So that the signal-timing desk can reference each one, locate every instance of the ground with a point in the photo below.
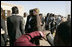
(44, 42)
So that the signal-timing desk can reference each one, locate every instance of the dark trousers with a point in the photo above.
(46, 27)
(4, 36)
(52, 28)
(52, 31)
(12, 40)
(2, 41)
(37, 42)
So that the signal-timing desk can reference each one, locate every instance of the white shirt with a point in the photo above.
(24, 21)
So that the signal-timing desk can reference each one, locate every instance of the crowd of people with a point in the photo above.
(29, 29)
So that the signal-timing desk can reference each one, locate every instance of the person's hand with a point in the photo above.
(41, 23)
(44, 33)
(41, 33)
(2, 31)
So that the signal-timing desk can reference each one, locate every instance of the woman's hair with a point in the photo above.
(36, 10)
(15, 10)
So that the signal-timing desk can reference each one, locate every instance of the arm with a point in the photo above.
(3, 24)
(43, 21)
(21, 26)
(38, 23)
(26, 26)
(33, 34)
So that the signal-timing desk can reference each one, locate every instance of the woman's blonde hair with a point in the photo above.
(36, 10)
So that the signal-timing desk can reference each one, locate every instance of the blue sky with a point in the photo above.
(57, 7)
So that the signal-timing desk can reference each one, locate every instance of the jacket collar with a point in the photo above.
(15, 14)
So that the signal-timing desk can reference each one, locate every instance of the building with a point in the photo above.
(7, 9)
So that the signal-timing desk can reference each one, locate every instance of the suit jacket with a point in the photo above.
(31, 24)
(47, 20)
(14, 24)
(42, 20)
(34, 23)
(27, 29)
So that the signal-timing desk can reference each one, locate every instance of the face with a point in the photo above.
(40, 16)
(31, 12)
(25, 14)
(35, 13)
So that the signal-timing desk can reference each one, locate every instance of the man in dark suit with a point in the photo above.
(47, 21)
(14, 24)
(28, 26)
(32, 23)
(52, 23)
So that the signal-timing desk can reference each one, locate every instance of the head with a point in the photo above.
(31, 12)
(25, 14)
(47, 14)
(53, 15)
(59, 15)
(40, 15)
(36, 11)
(63, 34)
(69, 16)
(15, 10)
